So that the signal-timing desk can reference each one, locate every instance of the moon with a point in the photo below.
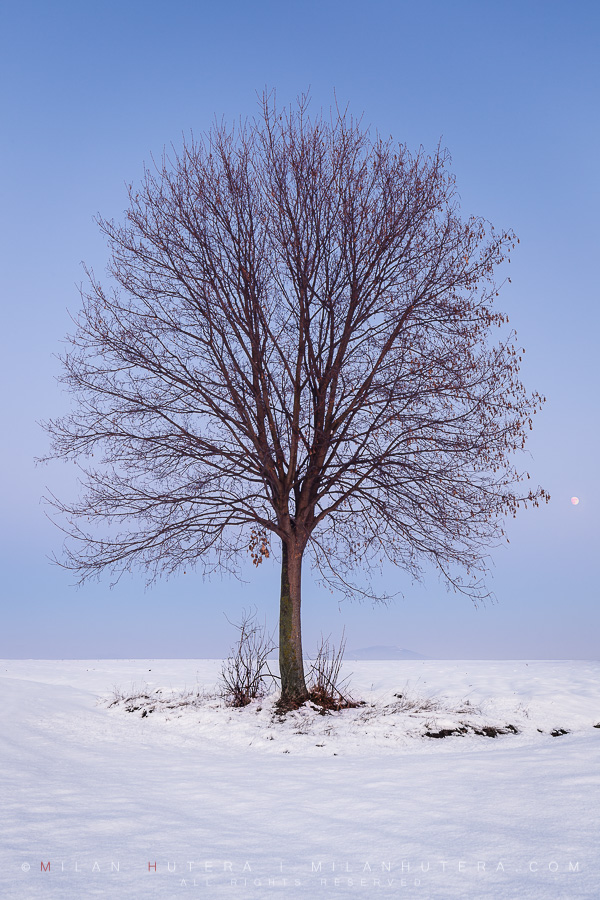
(574, 500)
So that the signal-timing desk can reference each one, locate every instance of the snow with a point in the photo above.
(383, 652)
(356, 804)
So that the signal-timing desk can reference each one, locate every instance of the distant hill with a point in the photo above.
(382, 653)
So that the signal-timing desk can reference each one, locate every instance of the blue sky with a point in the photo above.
(91, 91)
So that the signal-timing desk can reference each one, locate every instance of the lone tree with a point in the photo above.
(295, 347)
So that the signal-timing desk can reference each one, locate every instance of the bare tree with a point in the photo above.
(295, 347)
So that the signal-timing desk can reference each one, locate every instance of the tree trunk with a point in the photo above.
(291, 667)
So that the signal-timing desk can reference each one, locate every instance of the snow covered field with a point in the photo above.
(213, 802)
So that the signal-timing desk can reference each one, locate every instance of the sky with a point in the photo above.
(90, 92)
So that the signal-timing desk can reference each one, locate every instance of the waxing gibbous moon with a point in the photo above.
(574, 500)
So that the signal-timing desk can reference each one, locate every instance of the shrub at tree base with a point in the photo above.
(245, 673)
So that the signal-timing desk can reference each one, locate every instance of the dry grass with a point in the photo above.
(416, 705)
(146, 701)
